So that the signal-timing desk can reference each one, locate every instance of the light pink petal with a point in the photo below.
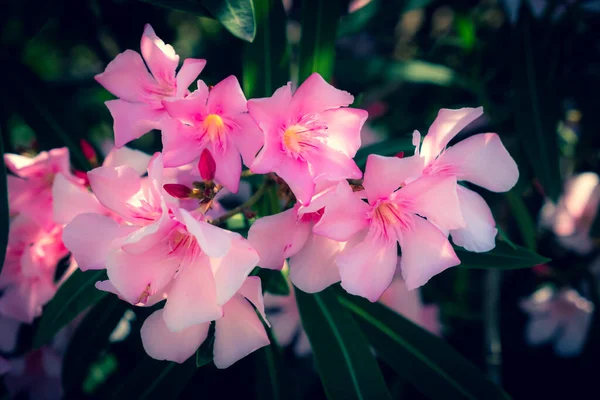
(325, 192)
(332, 165)
(434, 198)
(126, 77)
(383, 175)
(302, 347)
(190, 108)
(24, 302)
(90, 237)
(238, 333)
(480, 233)
(574, 334)
(180, 143)
(162, 344)
(297, 175)
(193, 297)
(135, 159)
(188, 72)
(229, 167)
(70, 199)
(403, 301)
(367, 267)
(541, 329)
(447, 125)
(139, 276)
(313, 268)
(344, 127)
(213, 241)
(284, 324)
(16, 163)
(277, 237)
(113, 187)
(426, 252)
(248, 138)
(483, 160)
(270, 112)
(270, 157)
(345, 215)
(231, 271)
(132, 120)
(160, 57)
(106, 286)
(316, 95)
(148, 237)
(252, 290)
(227, 98)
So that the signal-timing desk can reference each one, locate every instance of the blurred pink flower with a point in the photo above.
(480, 159)
(139, 108)
(308, 135)
(216, 120)
(238, 332)
(393, 214)
(561, 317)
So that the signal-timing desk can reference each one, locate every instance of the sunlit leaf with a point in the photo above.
(237, 16)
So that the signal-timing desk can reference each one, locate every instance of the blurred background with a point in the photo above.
(533, 65)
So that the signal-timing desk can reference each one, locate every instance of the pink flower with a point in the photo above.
(289, 235)
(309, 135)
(480, 159)
(561, 317)
(159, 250)
(238, 332)
(139, 108)
(390, 215)
(218, 121)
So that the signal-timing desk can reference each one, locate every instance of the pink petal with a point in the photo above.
(434, 198)
(541, 329)
(367, 266)
(333, 165)
(344, 127)
(313, 268)
(277, 237)
(480, 233)
(248, 138)
(227, 98)
(24, 301)
(426, 252)
(213, 241)
(316, 95)
(114, 187)
(447, 125)
(162, 344)
(90, 237)
(270, 157)
(284, 325)
(70, 199)
(148, 237)
(193, 297)
(126, 77)
(160, 57)
(345, 215)
(189, 108)
(132, 120)
(271, 112)
(125, 156)
(383, 175)
(297, 175)
(238, 333)
(180, 143)
(231, 271)
(403, 301)
(252, 291)
(229, 167)
(483, 160)
(188, 72)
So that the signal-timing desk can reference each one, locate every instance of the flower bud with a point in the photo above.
(178, 190)
(207, 165)
(400, 154)
(88, 152)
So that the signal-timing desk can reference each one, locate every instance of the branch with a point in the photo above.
(249, 203)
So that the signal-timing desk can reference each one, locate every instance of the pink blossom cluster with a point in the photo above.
(154, 223)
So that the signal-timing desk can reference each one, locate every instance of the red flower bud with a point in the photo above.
(207, 165)
(400, 155)
(178, 190)
(82, 175)
(88, 152)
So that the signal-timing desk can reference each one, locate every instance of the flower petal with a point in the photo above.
(187, 74)
(213, 241)
(180, 143)
(479, 235)
(248, 138)
(70, 200)
(113, 187)
(135, 159)
(160, 57)
(313, 268)
(238, 333)
(344, 127)
(383, 175)
(316, 95)
(252, 291)
(162, 344)
(227, 98)
(297, 175)
(126, 77)
(270, 112)
(229, 167)
(132, 120)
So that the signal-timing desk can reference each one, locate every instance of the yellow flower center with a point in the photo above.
(292, 138)
(389, 213)
(214, 125)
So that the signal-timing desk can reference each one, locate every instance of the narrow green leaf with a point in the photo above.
(317, 45)
(346, 366)
(266, 64)
(503, 256)
(204, 354)
(89, 341)
(386, 148)
(523, 218)
(237, 16)
(431, 365)
(3, 208)
(73, 297)
(270, 368)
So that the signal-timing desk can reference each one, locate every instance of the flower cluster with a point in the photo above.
(155, 224)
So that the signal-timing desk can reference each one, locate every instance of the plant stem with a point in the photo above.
(249, 203)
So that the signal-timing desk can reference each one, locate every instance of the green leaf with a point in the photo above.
(270, 367)
(237, 16)
(90, 340)
(431, 365)
(386, 148)
(347, 368)
(266, 64)
(317, 44)
(503, 256)
(537, 109)
(204, 354)
(3, 208)
(74, 296)
(272, 281)
(524, 221)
